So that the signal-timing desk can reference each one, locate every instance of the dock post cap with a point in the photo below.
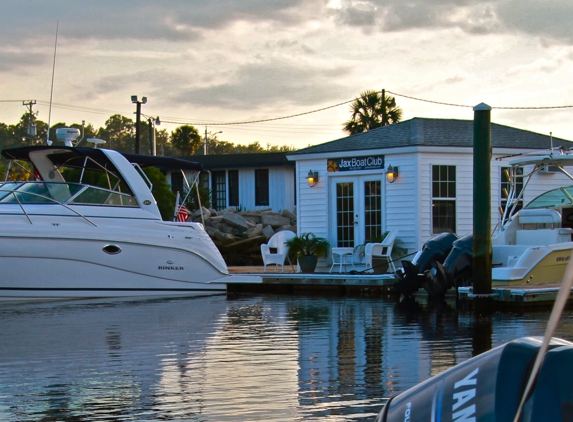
(482, 107)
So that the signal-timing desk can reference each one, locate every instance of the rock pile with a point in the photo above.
(239, 234)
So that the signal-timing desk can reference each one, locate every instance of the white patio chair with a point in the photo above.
(381, 250)
(280, 252)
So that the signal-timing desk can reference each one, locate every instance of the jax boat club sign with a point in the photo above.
(372, 162)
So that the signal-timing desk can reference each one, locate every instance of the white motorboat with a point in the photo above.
(89, 226)
(532, 245)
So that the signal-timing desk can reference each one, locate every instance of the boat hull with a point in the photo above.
(132, 259)
(537, 265)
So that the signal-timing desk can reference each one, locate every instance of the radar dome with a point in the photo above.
(68, 135)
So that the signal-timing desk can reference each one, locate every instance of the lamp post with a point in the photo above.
(207, 138)
(138, 103)
(152, 123)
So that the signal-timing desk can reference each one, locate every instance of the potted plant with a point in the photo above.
(308, 248)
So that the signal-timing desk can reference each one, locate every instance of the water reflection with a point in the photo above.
(213, 359)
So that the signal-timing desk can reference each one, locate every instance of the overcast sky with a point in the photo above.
(220, 61)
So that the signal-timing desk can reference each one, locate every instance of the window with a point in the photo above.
(177, 182)
(505, 177)
(443, 199)
(261, 187)
(219, 190)
(373, 209)
(233, 177)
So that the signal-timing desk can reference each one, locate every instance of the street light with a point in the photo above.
(207, 138)
(138, 103)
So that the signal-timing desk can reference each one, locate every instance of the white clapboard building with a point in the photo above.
(349, 199)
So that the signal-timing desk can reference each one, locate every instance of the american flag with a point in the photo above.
(182, 213)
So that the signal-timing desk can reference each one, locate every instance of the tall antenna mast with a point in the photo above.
(52, 88)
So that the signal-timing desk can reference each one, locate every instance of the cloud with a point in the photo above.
(174, 20)
(549, 18)
(275, 81)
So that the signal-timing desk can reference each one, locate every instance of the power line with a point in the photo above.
(245, 122)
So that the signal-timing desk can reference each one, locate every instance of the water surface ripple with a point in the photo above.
(263, 358)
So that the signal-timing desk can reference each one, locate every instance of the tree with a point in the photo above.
(371, 110)
(161, 192)
(119, 133)
(186, 139)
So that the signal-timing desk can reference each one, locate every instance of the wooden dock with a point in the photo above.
(289, 282)
(542, 294)
(365, 284)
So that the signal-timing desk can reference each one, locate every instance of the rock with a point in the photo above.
(287, 214)
(235, 220)
(274, 220)
(210, 230)
(224, 238)
(268, 232)
(254, 231)
(196, 215)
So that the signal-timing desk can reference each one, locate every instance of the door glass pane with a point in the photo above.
(220, 190)
(345, 214)
(372, 210)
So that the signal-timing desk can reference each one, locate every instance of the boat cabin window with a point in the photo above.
(555, 198)
(62, 193)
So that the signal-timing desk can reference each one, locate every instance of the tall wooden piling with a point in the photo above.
(482, 254)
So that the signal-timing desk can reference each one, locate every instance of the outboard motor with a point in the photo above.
(411, 276)
(455, 271)
(489, 387)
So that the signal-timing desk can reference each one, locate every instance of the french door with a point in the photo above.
(357, 209)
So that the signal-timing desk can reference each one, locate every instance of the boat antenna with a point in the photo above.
(52, 88)
(551, 141)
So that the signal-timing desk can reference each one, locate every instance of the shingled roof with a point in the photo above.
(434, 132)
(231, 161)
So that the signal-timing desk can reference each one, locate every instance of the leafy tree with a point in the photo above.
(218, 147)
(186, 139)
(371, 110)
(119, 133)
(162, 192)
(205, 195)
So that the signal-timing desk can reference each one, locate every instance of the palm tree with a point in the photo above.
(186, 139)
(371, 110)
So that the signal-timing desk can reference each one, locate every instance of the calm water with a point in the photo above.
(261, 358)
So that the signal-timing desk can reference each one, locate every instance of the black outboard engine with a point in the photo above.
(489, 387)
(456, 269)
(411, 276)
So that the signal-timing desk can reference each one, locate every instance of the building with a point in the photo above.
(349, 199)
(246, 181)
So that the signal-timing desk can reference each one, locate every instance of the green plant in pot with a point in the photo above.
(308, 248)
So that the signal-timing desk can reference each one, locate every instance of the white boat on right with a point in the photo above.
(530, 246)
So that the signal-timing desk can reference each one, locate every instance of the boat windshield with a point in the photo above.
(553, 198)
(62, 193)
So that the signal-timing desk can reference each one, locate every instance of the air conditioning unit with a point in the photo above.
(550, 170)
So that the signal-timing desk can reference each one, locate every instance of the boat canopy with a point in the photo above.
(75, 157)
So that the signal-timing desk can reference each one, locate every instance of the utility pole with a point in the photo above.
(205, 143)
(152, 140)
(207, 138)
(31, 130)
(383, 107)
(138, 103)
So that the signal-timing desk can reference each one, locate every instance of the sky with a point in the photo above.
(211, 63)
